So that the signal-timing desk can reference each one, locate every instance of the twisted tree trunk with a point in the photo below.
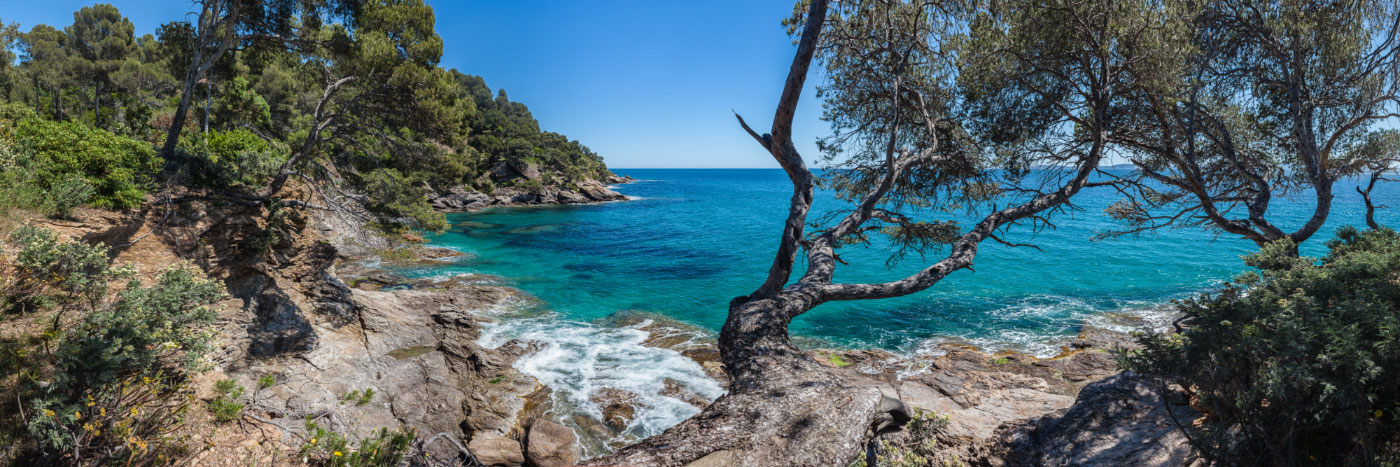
(783, 407)
(211, 18)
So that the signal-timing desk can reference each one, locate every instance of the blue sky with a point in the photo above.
(644, 83)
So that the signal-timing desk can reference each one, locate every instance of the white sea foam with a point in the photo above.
(577, 359)
(1129, 316)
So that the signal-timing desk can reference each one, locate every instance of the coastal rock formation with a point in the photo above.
(462, 198)
(493, 450)
(550, 444)
(1121, 420)
(1012, 409)
(618, 406)
(292, 316)
(1003, 409)
(351, 360)
(416, 350)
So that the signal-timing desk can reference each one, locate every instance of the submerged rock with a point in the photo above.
(619, 406)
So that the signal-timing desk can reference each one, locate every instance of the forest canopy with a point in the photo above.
(343, 94)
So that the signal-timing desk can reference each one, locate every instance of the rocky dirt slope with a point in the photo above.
(291, 317)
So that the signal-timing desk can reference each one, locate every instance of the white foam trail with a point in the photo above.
(1130, 315)
(579, 359)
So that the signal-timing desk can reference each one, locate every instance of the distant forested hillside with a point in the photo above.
(244, 95)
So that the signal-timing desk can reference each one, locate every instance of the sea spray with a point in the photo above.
(577, 361)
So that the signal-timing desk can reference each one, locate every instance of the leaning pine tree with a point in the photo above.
(938, 109)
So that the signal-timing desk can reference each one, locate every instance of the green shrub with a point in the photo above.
(12, 112)
(142, 330)
(272, 233)
(399, 202)
(110, 381)
(237, 157)
(384, 447)
(68, 193)
(1296, 362)
(119, 169)
(225, 406)
(267, 381)
(916, 446)
(533, 187)
(47, 273)
(18, 190)
(358, 397)
(132, 422)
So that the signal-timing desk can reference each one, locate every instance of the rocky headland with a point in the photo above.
(525, 184)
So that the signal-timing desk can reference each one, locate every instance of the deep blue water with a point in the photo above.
(694, 239)
(697, 238)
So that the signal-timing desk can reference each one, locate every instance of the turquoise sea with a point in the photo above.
(691, 240)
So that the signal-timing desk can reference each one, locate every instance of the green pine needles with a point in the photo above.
(1298, 360)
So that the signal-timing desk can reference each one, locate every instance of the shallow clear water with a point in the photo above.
(694, 239)
(697, 238)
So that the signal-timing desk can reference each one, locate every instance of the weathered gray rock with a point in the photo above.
(508, 195)
(570, 197)
(614, 179)
(1121, 420)
(1100, 338)
(619, 407)
(492, 450)
(460, 199)
(550, 444)
(527, 170)
(596, 191)
(416, 349)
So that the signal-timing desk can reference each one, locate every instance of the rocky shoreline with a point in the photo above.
(1008, 408)
(324, 326)
(462, 198)
(1004, 408)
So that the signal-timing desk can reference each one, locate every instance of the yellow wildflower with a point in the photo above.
(91, 403)
(135, 412)
(313, 441)
(1379, 413)
(48, 413)
(77, 415)
(102, 411)
(337, 454)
